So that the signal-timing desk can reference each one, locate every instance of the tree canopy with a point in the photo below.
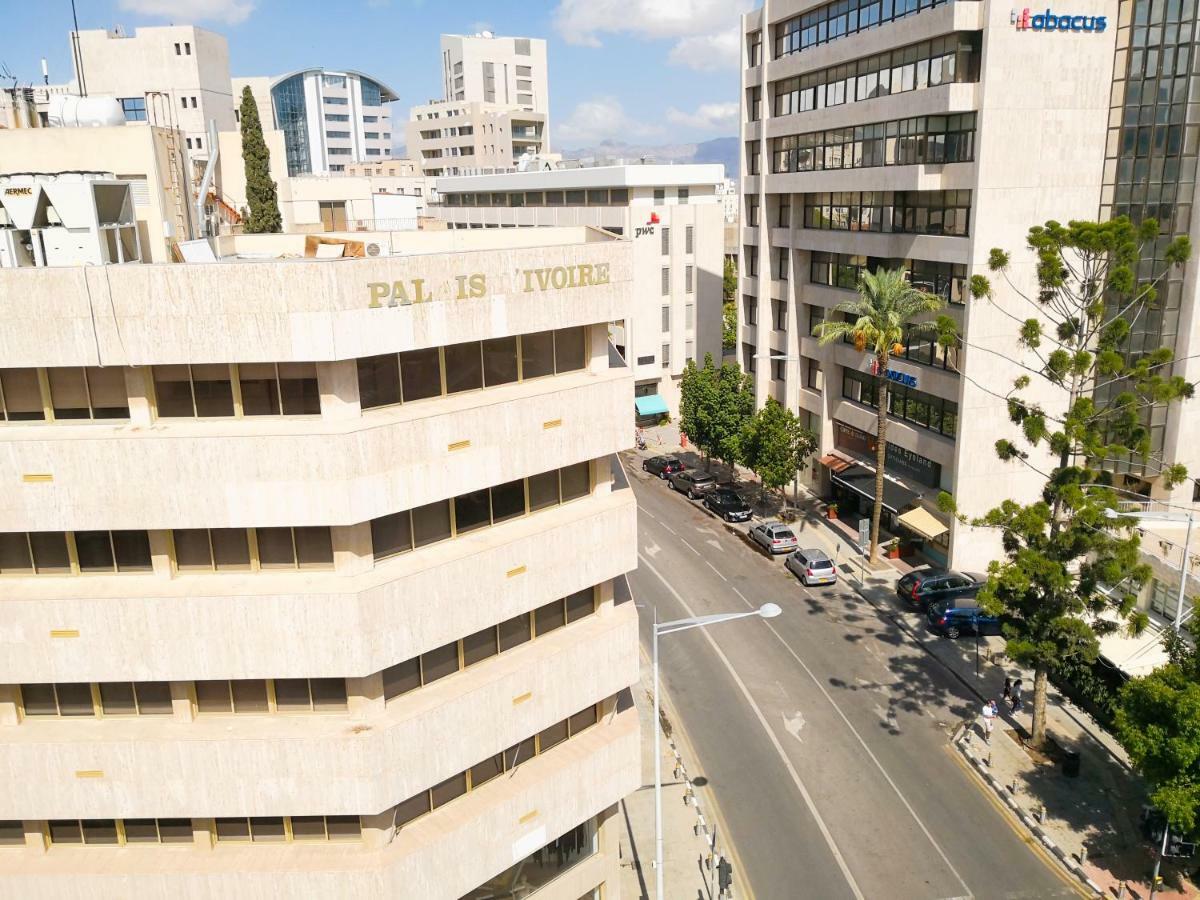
(260, 189)
(775, 446)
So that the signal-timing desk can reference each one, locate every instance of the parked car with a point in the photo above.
(694, 484)
(955, 617)
(663, 466)
(926, 587)
(775, 537)
(812, 567)
(728, 505)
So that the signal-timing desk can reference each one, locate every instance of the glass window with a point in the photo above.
(464, 367)
(15, 556)
(543, 490)
(267, 829)
(499, 361)
(275, 548)
(314, 547)
(308, 828)
(230, 549)
(116, 698)
(401, 678)
(94, 551)
(585, 718)
(514, 632)
(479, 646)
(132, 549)
(431, 523)
(537, 354)
(576, 481)
(68, 393)
(249, 695)
(555, 734)
(213, 390)
(391, 535)
(569, 351)
(412, 808)
(50, 555)
(485, 771)
(437, 664)
(175, 831)
(449, 789)
(343, 828)
(379, 380)
(153, 698)
(508, 501)
(141, 831)
(472, 511)
(192, 549)
(65, 831)
(420, 374)
(39, 700)
(172, 392)
(75, 699)
(549, 617)
(581, 604)
(233, 829)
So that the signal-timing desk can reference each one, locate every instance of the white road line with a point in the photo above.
(882, 771)
(690, 547)
(720, 574)
(808, 801)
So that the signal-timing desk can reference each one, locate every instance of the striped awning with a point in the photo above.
(835, 464)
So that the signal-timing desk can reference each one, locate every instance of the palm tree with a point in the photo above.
(878, 322)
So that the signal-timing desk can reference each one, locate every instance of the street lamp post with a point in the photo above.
(766, 611)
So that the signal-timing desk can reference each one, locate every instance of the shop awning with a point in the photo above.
(861, 480)
(835, 464)
(923, 522)
(650, 405)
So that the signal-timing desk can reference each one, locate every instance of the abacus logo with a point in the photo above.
(1048, 21)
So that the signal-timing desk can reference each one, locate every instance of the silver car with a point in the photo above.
(774, 537)
(812, 567)
(694, 484)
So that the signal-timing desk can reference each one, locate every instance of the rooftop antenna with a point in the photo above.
(77, 50)
(45, 72)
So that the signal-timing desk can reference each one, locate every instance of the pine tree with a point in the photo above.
(260, 189)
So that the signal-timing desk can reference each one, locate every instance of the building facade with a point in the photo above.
(329, 118)
(484, 68)
(311, 571)
(673, 217)
(459, 137)
(922, 135)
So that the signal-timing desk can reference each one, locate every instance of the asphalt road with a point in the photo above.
(823, 732)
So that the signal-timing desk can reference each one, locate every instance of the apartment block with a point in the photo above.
(922, 134)
(672, 216)
(456, 137)
(314, 566)
(489, 69)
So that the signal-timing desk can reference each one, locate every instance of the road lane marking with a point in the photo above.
(720, 574)
(690, 547)
(715, 544)
(762, 719)
(882, 771)
(793, 725)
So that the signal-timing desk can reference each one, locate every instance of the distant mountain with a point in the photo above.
(722, 150)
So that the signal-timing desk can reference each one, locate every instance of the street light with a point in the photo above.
(766, 611)
(1148, 515)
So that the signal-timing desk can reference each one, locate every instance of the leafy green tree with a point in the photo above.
(729, 325)
(697, 393)
(775, 446)
(878, 322)
(729, 283)
(264, 215)
(1158, 723)
(715, 403)
(1071, 556)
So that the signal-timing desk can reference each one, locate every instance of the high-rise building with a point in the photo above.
(674, 218)
(922, 135)
(328, 118)
(313, 566)
(507, 70)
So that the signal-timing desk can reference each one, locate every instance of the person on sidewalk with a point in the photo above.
(989, 720)
(1007, 695)
(1016, 697)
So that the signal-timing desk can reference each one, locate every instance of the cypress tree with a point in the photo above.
(264, 215)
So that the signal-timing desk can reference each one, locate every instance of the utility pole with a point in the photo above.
(1162, 851)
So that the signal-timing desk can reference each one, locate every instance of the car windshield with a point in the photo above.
(728, 496)
(784, 534)
(703, 479)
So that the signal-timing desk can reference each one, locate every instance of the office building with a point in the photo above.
(329, 118)
(672, 215)
(313, 565)
(922, 135)
(484, 68)
(458, 137)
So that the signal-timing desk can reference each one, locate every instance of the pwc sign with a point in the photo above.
(1048, 21)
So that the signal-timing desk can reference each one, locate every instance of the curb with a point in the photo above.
(1065, 859)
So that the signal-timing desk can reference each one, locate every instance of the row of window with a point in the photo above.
(902, 142)
(401, 532)
(689, 234)
(842, 270)
(935, 413)
(222, 390)
(259, 696)
(590, 197)
(945, 60)
(436, 664)
(494, 766)
(924, 349)
(437, 371)
(120, 832)
(689, 280)
(65, 392)
(898, 212)
(843, 17)
(286, 548)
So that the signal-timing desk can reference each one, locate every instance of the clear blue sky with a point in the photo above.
(638, 71)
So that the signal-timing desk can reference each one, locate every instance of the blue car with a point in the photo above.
(956, 618)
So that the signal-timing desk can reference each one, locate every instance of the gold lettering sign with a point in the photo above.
(18, 192)
(474, 285)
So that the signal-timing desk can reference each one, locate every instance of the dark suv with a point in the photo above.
(728, 505)
(955, 617)
(926, 587)
(694, 484)
(663, 466)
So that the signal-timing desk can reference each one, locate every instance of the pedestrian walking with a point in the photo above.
(1016, 696)
(989, 720)
(1008, 689)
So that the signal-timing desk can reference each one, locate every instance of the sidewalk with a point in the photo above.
(685, 853)
(1094, 817)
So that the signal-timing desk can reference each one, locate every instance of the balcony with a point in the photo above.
(503, 821)
(264, 471)
(335, 764)
(265, 625)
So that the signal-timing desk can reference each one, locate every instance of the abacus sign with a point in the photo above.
(1049, 21)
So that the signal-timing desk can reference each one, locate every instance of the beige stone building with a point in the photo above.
(923, 135)
(490, 69)
(309, 570)
(674, 218)
(461, 137)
